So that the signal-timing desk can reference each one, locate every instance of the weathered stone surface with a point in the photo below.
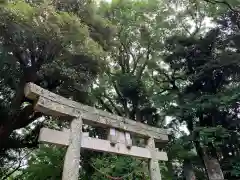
(122, 129)
(54, 104)
(213, 167)
(72, 157)
(153, 163)
(128, 139)
(62, 138)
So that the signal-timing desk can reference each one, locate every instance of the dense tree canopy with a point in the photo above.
(168, 64)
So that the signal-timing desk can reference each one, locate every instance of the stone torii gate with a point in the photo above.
(119, 136)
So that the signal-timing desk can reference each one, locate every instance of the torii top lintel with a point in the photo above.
(56, 105)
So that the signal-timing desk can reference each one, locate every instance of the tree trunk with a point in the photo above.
(188, 170)
(7, 128)
(211, 164)
(16, 114)
(213, 168)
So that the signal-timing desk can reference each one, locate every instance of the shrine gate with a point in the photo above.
(119, 141)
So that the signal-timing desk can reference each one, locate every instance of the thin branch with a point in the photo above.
(160, 81)
(113, 105)
(121, 51)
(224, 2)
(165, 74)
(10, 173)
(221, 2)
(117, 90)
(115, 178)
(164, 90)
(133, 56)
(171, 79)
(122, 99)
(18, 167)
(136, 63)
(120, 60)
(126, 59)
(185, 28)
(105, 106)
(146, 61)
(197, 27)
(197, 18)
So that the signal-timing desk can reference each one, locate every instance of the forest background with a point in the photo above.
(171, 64)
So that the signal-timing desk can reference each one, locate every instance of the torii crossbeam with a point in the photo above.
(119, 139)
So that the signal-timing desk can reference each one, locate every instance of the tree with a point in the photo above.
(46, 159)
(161, 59)
(128, 83)
(209, 71)
(47, 46)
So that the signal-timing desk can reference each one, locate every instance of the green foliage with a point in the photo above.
(235, 168)
(51, 47)
(182, 149)
(119, 166)
(214, 135)
(58, 33)
(45, 163)
(146, 60)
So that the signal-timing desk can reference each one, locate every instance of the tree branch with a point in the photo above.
(24, 121)
(126, 59)
(197, 18)
(163, 89)
(122, 99)
(146, 61)
(11, 172)
(185, 28)
(113, 105)
(171, 79)
(18, 167)
(221, 2)
(120, 62)
(105, 106)
(224, 2)
(136, 63)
